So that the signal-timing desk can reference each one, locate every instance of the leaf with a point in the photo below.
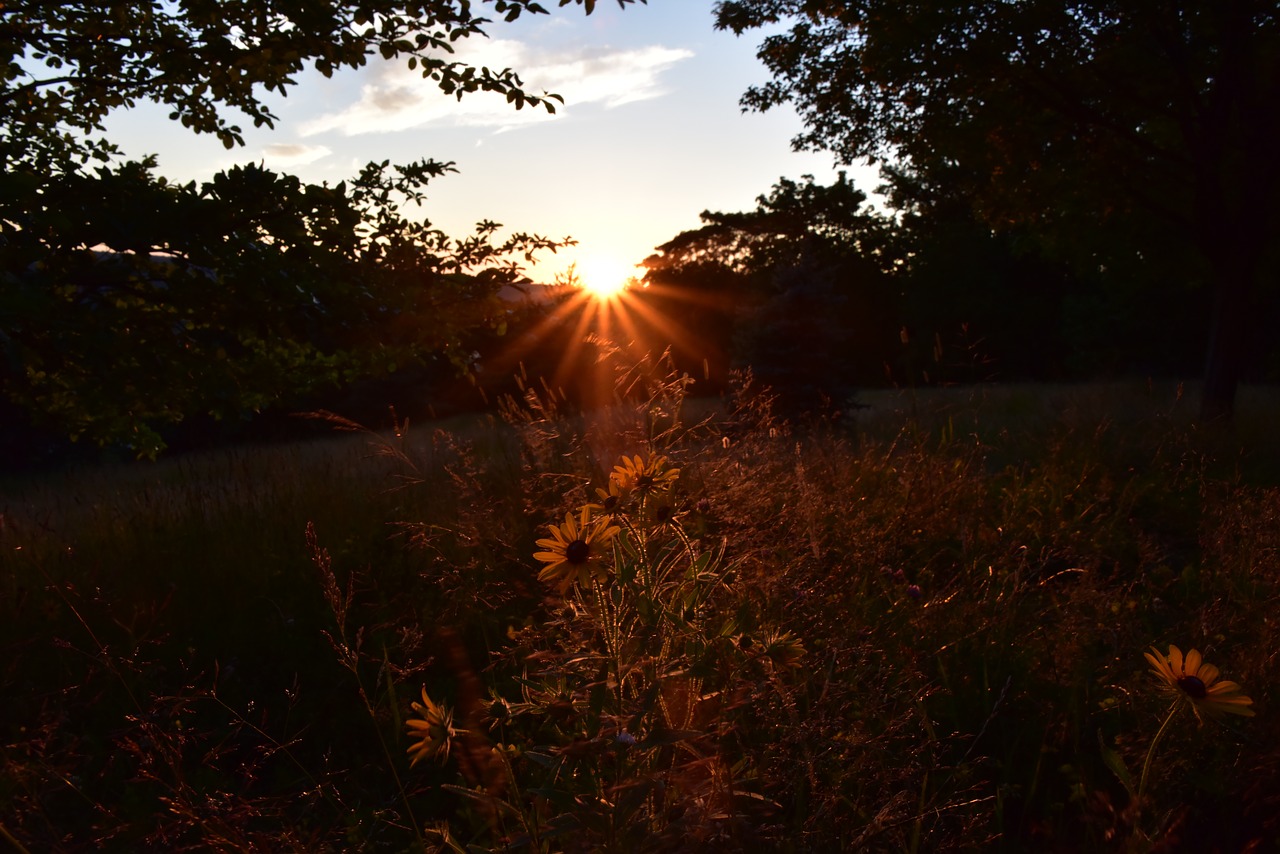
(664, 738)
(543, 759)
(1115, 762)
(480, 797)
(632, 798)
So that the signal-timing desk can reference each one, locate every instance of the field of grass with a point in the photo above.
(918, 625)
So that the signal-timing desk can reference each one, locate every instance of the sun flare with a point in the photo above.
(603, 278)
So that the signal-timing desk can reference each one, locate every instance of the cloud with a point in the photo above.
(293, 154)
(399, 99)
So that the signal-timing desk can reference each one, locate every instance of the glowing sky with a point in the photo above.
(650, 134)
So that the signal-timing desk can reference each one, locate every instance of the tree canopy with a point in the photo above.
(1131, 134)
(128, 302)
(67, 65)
(796, 289)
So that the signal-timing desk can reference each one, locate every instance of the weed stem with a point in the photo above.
(18, 846)
(1151, 751)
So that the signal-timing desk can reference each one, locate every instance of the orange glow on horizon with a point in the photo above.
(625, 319)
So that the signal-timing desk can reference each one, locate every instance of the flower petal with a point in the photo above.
(1238, 705)
(1161, 667)
(1191, 664)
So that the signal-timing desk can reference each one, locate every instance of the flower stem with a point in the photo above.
(1151, 751)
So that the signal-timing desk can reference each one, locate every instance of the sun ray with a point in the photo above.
(638, 318)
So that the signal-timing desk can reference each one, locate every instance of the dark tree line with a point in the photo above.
(821, 295)
(1073, 189)
(1131, 141)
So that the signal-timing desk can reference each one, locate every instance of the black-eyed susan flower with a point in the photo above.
(783, 649)
(644, 476)
(1193, 680)
(662, 511)
(613, 499)
(432, 731)
(498, 712)
(573, 551)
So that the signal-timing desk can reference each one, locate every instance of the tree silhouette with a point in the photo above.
(1118, 133)
(128, 302)
(798, 289)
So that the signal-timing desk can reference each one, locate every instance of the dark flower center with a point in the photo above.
(1193, 687)
(577, 552)
(611, 502)
(644, 481)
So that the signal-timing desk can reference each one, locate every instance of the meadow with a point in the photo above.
(920, 624)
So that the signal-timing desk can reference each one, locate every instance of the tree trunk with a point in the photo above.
(1237, 180)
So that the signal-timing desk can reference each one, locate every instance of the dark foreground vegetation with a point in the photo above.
(917, 626)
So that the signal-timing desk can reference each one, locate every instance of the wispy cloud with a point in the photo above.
(293, 154)
(399, 99)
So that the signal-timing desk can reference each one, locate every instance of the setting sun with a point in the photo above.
(603, 277)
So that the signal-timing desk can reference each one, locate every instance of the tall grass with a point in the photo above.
(969, 577)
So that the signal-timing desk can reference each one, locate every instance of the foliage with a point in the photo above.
(131, 303)
(1124, 135)
(67, 65)
(974, 578)
(802, 279)
(614, 737)
(128, 303)
(795, 222)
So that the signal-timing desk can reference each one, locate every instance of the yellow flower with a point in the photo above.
(661, 512)
(783, 649)
(572, 552)
(612, 500)
(1197, 682)
(644, 476)
(433, 732)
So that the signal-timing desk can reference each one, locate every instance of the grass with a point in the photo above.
(918, 626)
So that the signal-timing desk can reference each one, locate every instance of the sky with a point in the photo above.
(650, 135)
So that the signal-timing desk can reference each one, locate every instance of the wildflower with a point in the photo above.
(661, 513)
(613, 500)
(914, 591)
(434, 731)
(572, 552)
(783, 649)
(506, 751)
(644, 477)
(1196, 682)
(498, 711)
